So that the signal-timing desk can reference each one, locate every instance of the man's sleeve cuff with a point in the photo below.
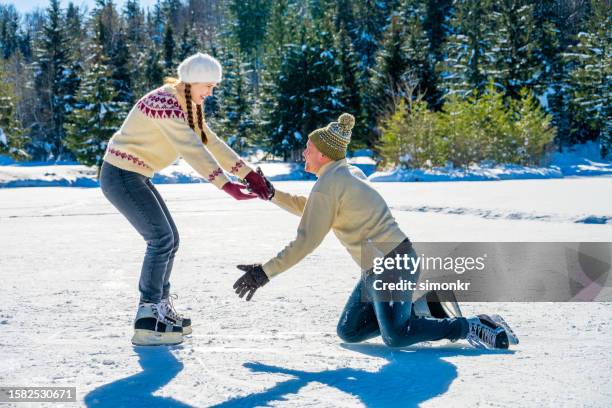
(269, 270)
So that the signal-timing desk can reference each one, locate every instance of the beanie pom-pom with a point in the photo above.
(346, 121)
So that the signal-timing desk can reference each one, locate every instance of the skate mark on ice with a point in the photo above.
(410, 377)
(508, 215)
(159, 367)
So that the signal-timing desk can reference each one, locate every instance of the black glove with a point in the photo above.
(252, 185)
(268, 184)
(253, 279)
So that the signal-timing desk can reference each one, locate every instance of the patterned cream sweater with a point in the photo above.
(156, 133)
(342, 201)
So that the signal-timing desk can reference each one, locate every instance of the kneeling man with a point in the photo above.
(343, 201)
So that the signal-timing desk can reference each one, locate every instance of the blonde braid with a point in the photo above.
(201, 123)
(190, 113)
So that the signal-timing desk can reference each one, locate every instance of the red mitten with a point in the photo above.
(235, 190)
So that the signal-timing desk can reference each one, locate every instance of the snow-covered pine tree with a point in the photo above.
(26, 35)
(307, 95)
(371, 19)
(172, 11)
(350, 92)
(106, 19)
(436, 25)
(344, 16)
(466, 69)
(90, 127)
(387, 77)
(591, 79)
(75, 29)
(50, 72)
(188, 44)
(235, 119)
(155, 23)
(550, 72)
(169, 51)
(76, 37)
(136, 39)
(280, 32)
(416, 48)
(286, 120)
(546, 50)
(154, 71)
(9, 30)
(12, 139)
(249, 20)
(120, 71)
(513, 64)
(323, 94)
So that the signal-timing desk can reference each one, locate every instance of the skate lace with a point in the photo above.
(169, 309)
(481, 335)
(161, 316)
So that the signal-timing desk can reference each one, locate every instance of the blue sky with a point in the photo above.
(25, 6)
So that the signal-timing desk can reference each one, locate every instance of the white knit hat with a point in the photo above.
(200, 68)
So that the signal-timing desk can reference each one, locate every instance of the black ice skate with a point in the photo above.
(483, 332)
(153, 328)
(512, 337)
(170, 312)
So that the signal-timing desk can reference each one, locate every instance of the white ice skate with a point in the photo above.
(152, 328)
(483, 332)
(170, 312)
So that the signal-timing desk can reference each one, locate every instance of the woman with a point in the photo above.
(163, 125)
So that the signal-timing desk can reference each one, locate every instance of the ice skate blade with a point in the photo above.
(187, 331)
(150, 338)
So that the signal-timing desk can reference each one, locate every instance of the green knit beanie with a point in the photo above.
(333, 139)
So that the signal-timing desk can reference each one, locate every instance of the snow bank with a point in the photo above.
(474, 173)
(74, 175)
(582, 160)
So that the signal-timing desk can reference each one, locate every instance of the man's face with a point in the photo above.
(313, 158)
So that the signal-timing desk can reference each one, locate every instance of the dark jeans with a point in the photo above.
(139, 201)
(394, 321)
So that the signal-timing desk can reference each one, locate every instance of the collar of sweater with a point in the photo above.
(331, 165)
(178, 92)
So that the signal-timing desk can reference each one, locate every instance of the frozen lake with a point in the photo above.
(69, 266)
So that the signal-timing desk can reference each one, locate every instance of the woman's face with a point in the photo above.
(201, 91)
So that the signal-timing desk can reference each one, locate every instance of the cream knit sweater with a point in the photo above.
(343, 201)
(156, 133)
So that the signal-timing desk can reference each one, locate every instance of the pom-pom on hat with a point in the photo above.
(200, 68)
(333, 139)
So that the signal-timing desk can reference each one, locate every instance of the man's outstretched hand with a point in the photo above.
(259, 184)
(254, 277)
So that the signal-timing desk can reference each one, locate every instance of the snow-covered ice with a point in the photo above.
(69, 268)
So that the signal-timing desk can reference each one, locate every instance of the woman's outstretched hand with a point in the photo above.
(259, 185)
(235, 190)
(253, 279)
